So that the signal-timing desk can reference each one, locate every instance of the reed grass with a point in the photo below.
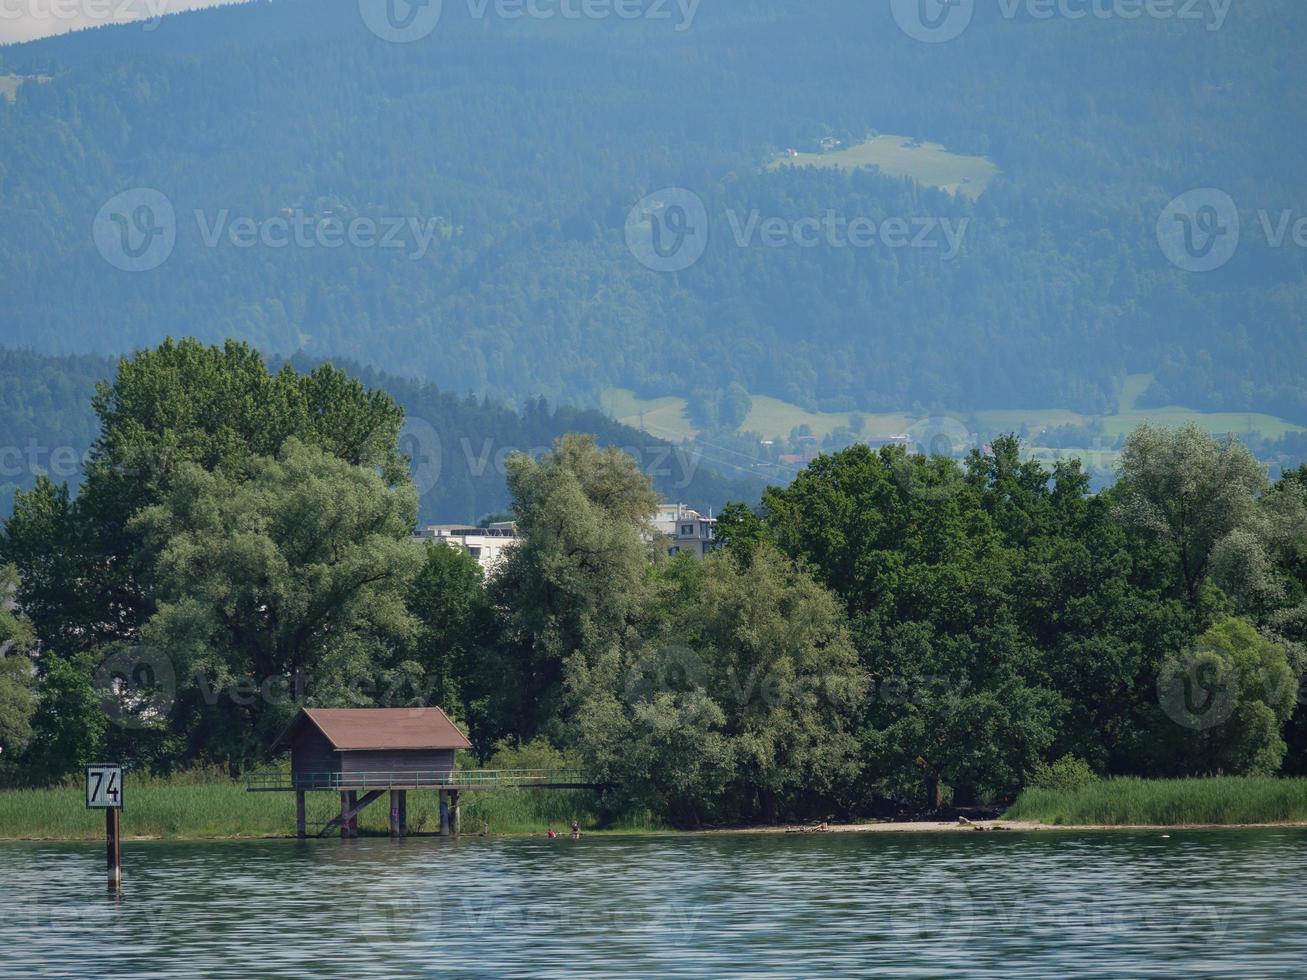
(212, 805)
(1227, 800)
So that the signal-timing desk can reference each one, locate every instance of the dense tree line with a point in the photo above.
(527, 143)
(888, 630)
(458, 444)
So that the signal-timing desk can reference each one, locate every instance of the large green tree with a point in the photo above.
(1224, 703)
(17, 700)
(995, 605)
(448, 599)
(1198, 496)
(741, 701)
(577, 585)
(291, 580)
(84, 571)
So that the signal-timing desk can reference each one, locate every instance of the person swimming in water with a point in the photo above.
(553, 834)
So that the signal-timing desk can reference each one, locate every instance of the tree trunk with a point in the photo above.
(768, 800)
(934, 798)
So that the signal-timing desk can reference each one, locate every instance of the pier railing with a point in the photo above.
(281, 779)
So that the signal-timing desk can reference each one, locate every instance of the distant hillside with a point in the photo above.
(504, 158)
(458, 443)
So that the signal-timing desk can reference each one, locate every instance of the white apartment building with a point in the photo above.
(488, 545)
(687, 531)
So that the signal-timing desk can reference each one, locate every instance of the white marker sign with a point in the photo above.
(104, 787)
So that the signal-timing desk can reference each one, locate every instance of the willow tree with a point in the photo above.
(83, 570)
(290, 582)
(576, 586)
(742, 701)
(1196, 495)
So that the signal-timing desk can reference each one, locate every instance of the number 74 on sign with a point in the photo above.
(104, 787)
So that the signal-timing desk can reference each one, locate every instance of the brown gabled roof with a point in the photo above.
(364, 729)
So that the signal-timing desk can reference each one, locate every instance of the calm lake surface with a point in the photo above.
(1217, 903)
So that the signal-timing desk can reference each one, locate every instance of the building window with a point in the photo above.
(687, 530)
(674, 550)
(474, 552)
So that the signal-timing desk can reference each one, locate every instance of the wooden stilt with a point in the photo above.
(444, 813)
(301, 819)
(350, 808)
(455, 823)
(113, 848)
(396, 814)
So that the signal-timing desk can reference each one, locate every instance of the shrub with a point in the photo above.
(1068, 772)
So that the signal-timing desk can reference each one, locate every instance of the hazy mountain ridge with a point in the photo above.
(528, 142)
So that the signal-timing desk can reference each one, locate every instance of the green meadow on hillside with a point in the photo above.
(10, 84)
(930, 164)
(771, 418)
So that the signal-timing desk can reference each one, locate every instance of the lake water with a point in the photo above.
(1217, 903)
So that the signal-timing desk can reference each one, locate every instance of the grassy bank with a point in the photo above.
(1167, 802)
(211, 806)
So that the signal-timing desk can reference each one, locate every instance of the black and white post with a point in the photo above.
(104, 791)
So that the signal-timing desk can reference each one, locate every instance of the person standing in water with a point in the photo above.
(576, 830)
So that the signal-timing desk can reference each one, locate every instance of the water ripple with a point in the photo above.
(1211, 903)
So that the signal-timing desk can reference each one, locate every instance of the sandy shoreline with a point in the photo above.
(1019, 826)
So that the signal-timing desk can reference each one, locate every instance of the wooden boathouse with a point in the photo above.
(365, 753)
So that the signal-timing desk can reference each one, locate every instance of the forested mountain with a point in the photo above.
(520, 145)
(459, 445)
